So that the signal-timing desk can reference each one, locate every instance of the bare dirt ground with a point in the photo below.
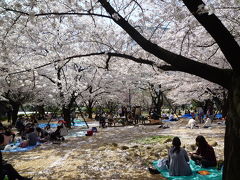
(111, 153)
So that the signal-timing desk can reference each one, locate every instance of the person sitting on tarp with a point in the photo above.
(7, 169)
(178, 161)
(173, 117)
(205, 155)
(42, 134)
(56, 135)
(31, 140)
(8, 134)
(26, 130)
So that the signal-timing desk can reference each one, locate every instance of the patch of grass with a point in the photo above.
(153, 139)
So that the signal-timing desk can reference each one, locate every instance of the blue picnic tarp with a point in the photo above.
(76, 134)
(20, 149)
(78, 124)
(218, 116)
(186, 116)
(54, 125)
(215, 174)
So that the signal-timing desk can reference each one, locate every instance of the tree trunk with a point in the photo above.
(232, 134)
(15, 109)
(159, 104)
(41, 111)
(90, 112)
(67, 116)
(225, 105)
(90, 109)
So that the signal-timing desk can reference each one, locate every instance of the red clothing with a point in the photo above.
(207, 153)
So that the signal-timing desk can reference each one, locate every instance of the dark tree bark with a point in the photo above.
(177, 62)
(67, 116)
(232, 134)
(41, 111)
(15, 109)
(90, 109)
(157, 99)
(225, 105)
(67, 110)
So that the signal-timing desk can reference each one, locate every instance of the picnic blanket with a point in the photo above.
(215, 174)
(78, 124)
(186, 116)
(54, 125)
(15, 148)
(218, 116)
(76, 134)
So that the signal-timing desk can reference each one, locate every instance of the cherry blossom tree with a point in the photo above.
(228, 78)
(195, 37)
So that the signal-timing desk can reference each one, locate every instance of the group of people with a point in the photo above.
(207, 122)
(8, 134)
(178, 159)
(7, 169)
(30, 134)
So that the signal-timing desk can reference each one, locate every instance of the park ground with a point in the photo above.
(111, 153)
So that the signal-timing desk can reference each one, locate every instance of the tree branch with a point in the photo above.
(138, 60)
(181, 63)
(57, 13)
(50, 79)
(218, 31)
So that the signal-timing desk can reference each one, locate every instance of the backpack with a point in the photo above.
(162, 164)
(89, 133)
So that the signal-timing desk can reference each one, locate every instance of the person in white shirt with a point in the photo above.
(207, 123)
(191, 123)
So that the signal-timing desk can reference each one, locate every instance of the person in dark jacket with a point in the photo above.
(56, 135)
(32, 137)
(205, 154)
(7, 169)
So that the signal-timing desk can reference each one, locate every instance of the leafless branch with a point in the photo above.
(57, 13)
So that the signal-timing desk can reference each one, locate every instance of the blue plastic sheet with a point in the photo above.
(54, 125)
(43, 125)
(218, 116)
(76, 134)
(20, 149)
(186, 116)
(215, 174)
